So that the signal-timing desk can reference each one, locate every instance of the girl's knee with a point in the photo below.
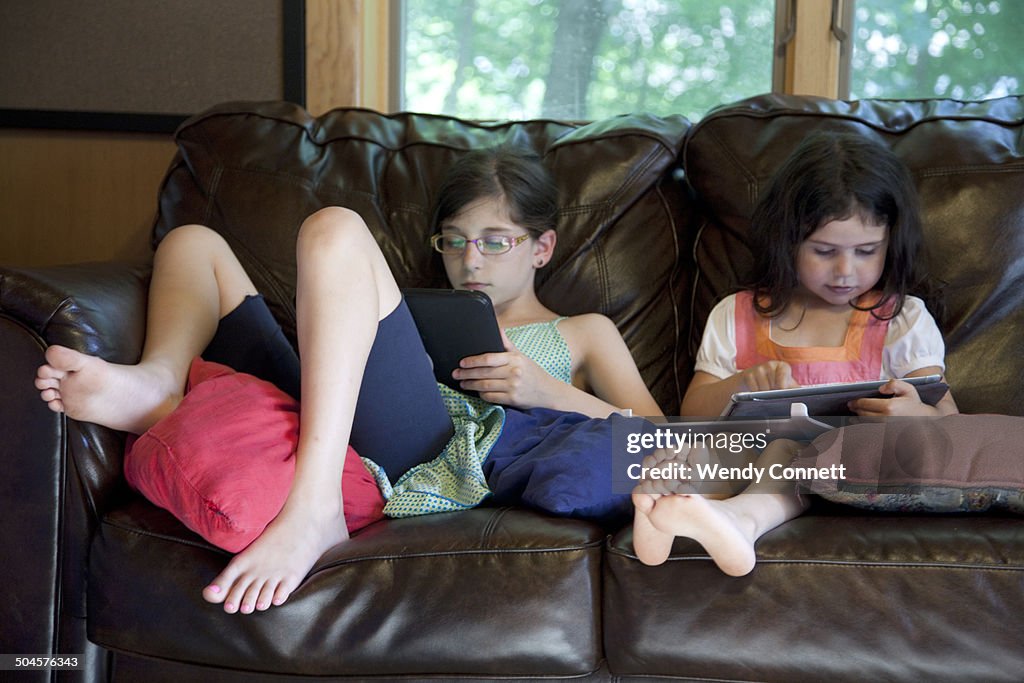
(334, 226)
(335, 235)
(192, 238)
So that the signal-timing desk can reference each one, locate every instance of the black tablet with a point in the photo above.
(454, 323)
(825, 399)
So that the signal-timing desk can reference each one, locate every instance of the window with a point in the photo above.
(589, 59)
(961, 49)
(583, 59)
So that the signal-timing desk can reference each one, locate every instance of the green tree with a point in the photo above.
(963, 49)
(584, 59)
(588, 59)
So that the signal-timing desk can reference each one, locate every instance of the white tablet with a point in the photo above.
(825, 399)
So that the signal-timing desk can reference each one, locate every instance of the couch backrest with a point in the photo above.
(254, 171)
(968, 162)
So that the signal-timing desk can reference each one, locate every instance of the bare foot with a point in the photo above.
(272, 567)
(652, 545)
(129, 398)
(726, 537)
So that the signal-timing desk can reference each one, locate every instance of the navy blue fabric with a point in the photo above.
(558, 462)
(249, 339)
(400, 419)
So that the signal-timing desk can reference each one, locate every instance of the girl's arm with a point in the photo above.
(605, 369)
(605, 377)
(709, 392)
(905, 401)
(707, 395)
(916, 337)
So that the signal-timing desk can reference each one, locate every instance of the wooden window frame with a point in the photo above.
(812, 50)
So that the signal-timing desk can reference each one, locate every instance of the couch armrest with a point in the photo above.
(97, 308)
(60, 475)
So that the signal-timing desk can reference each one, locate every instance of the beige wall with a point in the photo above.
(72, 196)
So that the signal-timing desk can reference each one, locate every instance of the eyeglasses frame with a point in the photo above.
(435, 243)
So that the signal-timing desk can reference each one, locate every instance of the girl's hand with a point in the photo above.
(508, 378)
(904, 401)
(773, 374)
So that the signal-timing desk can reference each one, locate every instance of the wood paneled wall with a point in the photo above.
(69, 196)
(73, 196)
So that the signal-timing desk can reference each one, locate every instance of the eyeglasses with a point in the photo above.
(491, 245)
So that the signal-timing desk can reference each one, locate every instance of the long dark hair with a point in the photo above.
(514, 174)
(828, 177)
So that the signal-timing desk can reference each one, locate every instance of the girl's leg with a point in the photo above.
(196, 280)
(728, 529)
(344, 288)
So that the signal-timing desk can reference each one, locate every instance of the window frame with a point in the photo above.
(809, 57)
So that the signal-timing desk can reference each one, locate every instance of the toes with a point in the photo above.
(240, 592)
(214, 593)
(652, 546)
(48, 380)
(234, 597)
(644, 502)
(251, 597)
(219, 589)
(62, 359)
(266, 596)
(284, 590)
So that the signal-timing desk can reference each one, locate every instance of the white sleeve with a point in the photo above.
(912, 342)
(717, 354)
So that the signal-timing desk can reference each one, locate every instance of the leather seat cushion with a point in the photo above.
(837, 595)
(490, 591)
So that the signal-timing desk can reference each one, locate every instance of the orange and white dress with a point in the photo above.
(738, 337)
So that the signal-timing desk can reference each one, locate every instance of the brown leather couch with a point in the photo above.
(653, 231)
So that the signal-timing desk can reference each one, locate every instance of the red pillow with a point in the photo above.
(223, 461)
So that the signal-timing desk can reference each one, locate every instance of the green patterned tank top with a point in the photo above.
(454, 480)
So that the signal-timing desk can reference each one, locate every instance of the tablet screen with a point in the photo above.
(825, 399)
(453, 324)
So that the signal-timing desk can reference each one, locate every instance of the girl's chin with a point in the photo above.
(832, 297)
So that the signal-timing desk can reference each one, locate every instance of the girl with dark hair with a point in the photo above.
(836, 238)
(366, 380)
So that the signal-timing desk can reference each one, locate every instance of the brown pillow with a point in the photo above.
(956, 463)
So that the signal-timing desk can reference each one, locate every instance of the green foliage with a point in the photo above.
(963, 49)
(662, 56)
(588, 59)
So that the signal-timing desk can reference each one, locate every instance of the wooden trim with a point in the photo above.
(812, 57)
(333, 54)
(380, 52)
(349, 45)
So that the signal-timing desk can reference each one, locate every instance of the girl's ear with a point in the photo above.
(544, 248)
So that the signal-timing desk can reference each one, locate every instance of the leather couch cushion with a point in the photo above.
(835, 596)
(485, 592)
(968, 162)
(254, 171)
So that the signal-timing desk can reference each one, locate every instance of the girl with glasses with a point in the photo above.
(537, 434)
